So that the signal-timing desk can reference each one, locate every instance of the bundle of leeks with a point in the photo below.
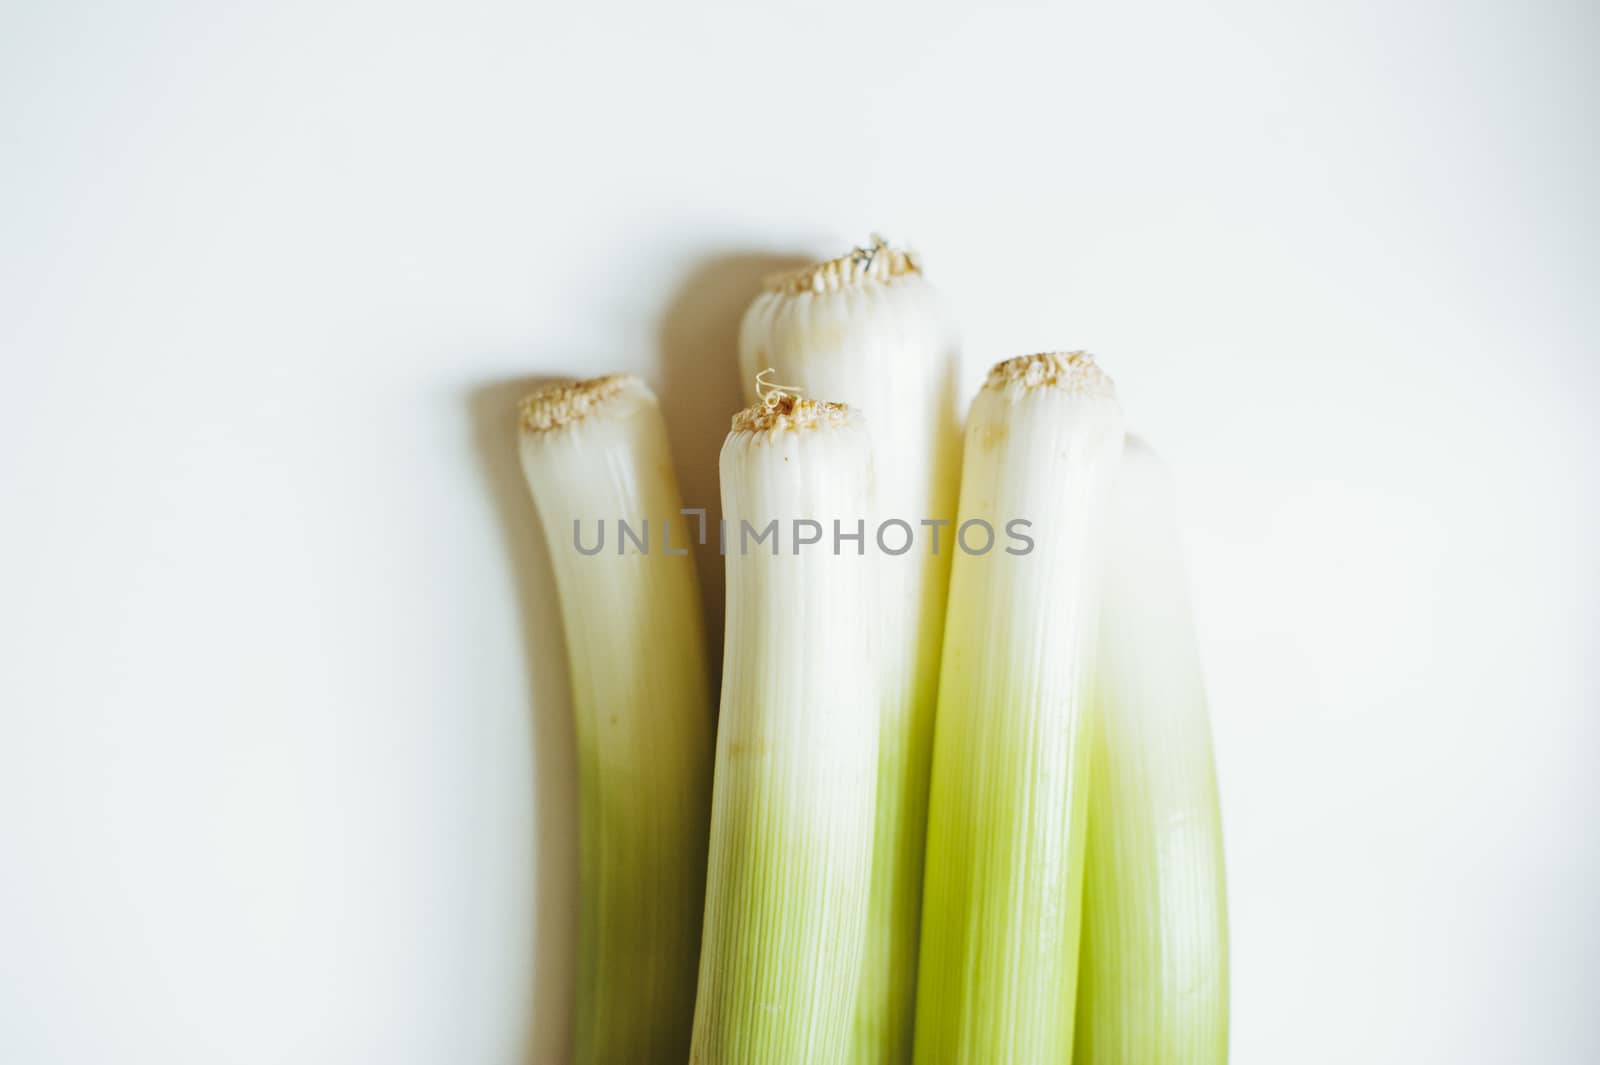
(960, 806)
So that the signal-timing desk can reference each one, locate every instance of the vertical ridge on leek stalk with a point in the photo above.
(797, 739)
(595, 452)
(1004, 874)
(1153, 976)
(868, 329)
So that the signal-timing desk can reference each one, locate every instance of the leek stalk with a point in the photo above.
(1004, 875)
(595, 453)
(797, 740)
(1153, 977)
(868, 329)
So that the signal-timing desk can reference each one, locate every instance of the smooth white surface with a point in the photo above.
(283, 766)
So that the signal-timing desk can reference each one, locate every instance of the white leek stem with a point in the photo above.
(791, 829)
(596, 453)
(1004, 878)
(868, 329)
(1153, 978)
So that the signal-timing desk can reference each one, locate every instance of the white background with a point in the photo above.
(284, 766)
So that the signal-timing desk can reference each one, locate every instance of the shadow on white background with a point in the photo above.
(555, 786)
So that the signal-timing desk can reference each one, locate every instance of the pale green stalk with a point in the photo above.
(596, 453)
(1153, 976)
(797, 747)
(1004, 878)
(868, 329)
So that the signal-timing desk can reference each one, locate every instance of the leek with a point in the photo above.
(1004, 875)
(595, 453)
(797, 739)
(1153, 977)
(870, 330)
